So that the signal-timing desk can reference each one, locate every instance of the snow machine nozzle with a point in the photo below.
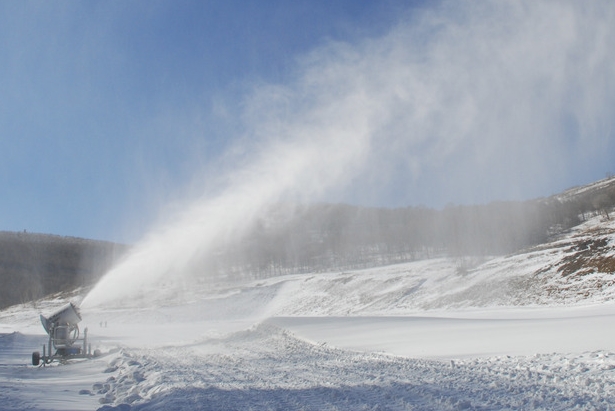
(68, 314)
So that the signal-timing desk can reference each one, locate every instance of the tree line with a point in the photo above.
(300, 239)
(36, 265)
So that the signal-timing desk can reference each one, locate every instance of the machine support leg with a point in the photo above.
(85, 340)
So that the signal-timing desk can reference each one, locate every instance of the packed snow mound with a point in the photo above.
(268, 368)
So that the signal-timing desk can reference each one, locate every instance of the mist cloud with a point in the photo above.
(467, 102)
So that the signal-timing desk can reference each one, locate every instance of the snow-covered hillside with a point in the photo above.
(576, 268)
(526, 331)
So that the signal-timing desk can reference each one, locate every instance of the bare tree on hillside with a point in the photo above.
(603, 202)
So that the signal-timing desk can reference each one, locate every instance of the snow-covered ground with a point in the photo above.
(513, 332)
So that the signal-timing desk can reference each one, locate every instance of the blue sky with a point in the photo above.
(114, 113)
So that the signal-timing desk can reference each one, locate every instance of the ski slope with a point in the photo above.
(507, 332)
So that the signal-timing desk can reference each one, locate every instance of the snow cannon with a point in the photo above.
(63, 330)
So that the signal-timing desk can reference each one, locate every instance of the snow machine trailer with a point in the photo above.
(63, 333)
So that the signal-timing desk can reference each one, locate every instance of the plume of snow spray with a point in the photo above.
(302, 163)
(475, 89)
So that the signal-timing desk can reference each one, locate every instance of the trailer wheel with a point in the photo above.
(36, 358)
